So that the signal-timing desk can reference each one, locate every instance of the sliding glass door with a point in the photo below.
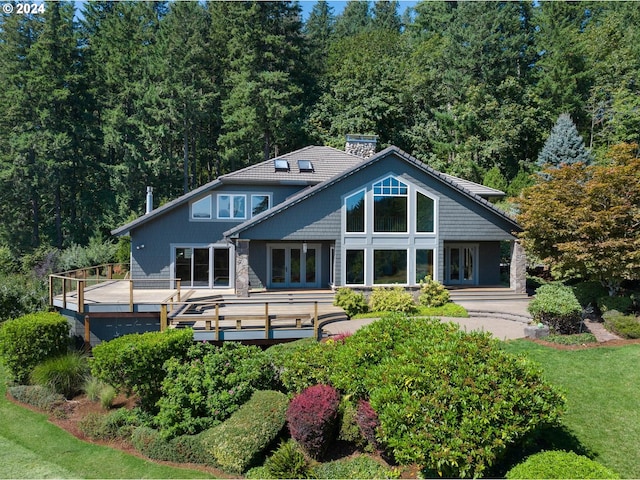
(203, 267)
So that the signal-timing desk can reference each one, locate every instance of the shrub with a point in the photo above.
(312, 418)
(64, 374)
(107, 396)
(627, 326)
(393, 299)
(21, 295)
(446, 399)
(559, 464)
(37, 396)
(29, 340)
(432, 293)
(301, 364)
(588, 293)
(575, 339)
(368, 423)
(556, 305)
(110, 426)
(349, 430)
(182, 449)
(621, 304)
(238, 443)
(447, 310)
(209, 386)
(134, 363)
(8, 263)
(350, 301)
(361, 466)
(287, 462)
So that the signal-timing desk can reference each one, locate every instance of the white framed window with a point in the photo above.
(355, 212)
(259, 203)
(390, 267)
(390, 206)
(354, 267)
(232, 206)
(201, 209)
(424, 264)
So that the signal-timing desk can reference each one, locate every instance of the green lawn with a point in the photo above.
(31, 447)
(603, 398)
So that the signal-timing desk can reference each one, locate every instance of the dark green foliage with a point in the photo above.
(393, 299)
(564, 146)
(27, 341)
(65, 374)
(620, 303)
(350, 301)
(208, 385)
(312, 418)
(37, 396)
(239, 442)
(556, 305)
(301, 364)
(118, 424)
(287, 461)
(361, 466)
(495, 179)
(134, 363)
(432, 293)
(447, 400)
(588, 293)
(560, 464)
(627, 326)
(20, 295)
(349, 430)
(182, 449)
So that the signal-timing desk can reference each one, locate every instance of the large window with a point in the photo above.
(354, 262)
(201, 210)
(355, 212)
(390, 205)
(424, 213)
(424, 264)
(232, 206)
(389, 266)
(259, 204)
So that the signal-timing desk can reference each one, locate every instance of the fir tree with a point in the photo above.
(564, 146)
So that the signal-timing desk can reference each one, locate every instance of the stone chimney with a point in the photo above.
(149, 200)
(361, 145)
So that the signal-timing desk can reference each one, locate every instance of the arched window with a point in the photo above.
(390, 208)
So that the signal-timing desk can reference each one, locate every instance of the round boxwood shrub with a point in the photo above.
(350, 301)
(620, 303)
(559, 464)
(392, 299)
(433, 293)
(29, 340)
(556, 305)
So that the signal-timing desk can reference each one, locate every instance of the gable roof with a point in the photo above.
(449, 180)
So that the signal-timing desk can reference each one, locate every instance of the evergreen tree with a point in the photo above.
(564, 146)
(354, 19)
(385, 15)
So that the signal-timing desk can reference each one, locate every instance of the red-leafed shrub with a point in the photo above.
(312, 417)
(367, 420)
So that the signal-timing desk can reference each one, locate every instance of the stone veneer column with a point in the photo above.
(518, 270)
(242, 268)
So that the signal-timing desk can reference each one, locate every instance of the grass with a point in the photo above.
(601, 386)
(31, 447)
(450, 309)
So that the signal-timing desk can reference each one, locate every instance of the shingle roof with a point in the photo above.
(476, 188)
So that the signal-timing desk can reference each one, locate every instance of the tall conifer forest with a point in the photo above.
(98, 103)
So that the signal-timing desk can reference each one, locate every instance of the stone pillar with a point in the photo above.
(518, 271)
(242, 268)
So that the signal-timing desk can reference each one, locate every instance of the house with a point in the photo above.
(321, 218)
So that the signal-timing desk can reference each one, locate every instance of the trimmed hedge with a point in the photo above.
(627, 326)
(238, 443)
(312, 418)
(621, 303)
(392, 299)
(29, 340)
(556, 305)
(559, 464)
(447, 400)
(361, 466)
(135, 363)
(182, 449)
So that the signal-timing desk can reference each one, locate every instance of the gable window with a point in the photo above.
(390, 206)
(424, 213)
(232, 206)
(259, 204)
(355, 212)
(201, 210)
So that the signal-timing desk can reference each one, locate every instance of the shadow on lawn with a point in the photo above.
(557, 437)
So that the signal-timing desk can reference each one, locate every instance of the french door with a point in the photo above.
(461, 264)
(294, 266)
(203, 267)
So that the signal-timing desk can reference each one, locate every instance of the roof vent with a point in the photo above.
(361, 145)
(305, 166)
(281, 165)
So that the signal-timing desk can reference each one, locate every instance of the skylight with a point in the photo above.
(281, 165)
(305, 166)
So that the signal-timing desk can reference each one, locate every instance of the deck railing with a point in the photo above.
(72, 285)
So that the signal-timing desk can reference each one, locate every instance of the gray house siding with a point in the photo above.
(489, 273)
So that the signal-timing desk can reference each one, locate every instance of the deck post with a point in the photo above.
(87, 333)
(64, 292)
(110, 271)
(163, 317)
(81, 296)
(267, 323)
(315, 319)
(50, 289)
(217, 321)
(178, 287)
(131, 296)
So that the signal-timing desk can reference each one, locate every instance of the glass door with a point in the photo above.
(293, 266)
(194, 265)
(461, 264)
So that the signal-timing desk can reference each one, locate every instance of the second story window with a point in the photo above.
(390, 198)
(259, 204)
(232, 207)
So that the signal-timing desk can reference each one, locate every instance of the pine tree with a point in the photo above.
(385, 15)
(354, 19)
(564, 146)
